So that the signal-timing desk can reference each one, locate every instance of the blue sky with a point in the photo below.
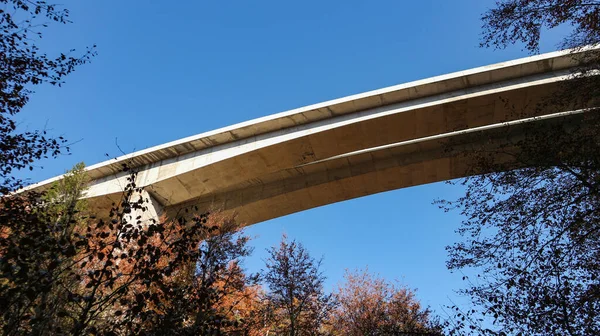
(167, 70)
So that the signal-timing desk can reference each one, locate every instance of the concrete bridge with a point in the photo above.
(341, 149)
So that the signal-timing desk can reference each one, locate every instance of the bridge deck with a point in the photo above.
(345, 148)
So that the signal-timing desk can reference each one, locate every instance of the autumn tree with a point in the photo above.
(370, 305)
(212, 295)
(52, 250)
(242, 303)
(60, 271)
(31, 252)
(64, 271)
(530, 238)
(298, 304)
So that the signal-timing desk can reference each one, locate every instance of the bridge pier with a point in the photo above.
(151, 210)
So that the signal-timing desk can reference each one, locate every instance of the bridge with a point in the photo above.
(350, 147)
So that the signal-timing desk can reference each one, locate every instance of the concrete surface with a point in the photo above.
(337, 150)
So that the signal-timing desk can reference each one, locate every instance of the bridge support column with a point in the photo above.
(153, 210)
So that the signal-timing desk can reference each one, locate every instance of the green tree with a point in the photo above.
(64, 201)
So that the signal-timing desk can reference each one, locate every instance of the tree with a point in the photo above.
(297, 302)
(212, 295)
(22, 66)
(63, 271)
(533, 234)
(522, 21)
(34, 238)
(369, 305)
(61, 207)
(531, 207)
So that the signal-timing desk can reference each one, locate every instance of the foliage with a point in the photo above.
(243, 306)
(22, 66)
(32, 256)
(298, 304)
(370, 305)
(531, 206)
(64, 270)
(210, 296)
(64, 202)
(533, 233)
(114, 276)
(522, 21)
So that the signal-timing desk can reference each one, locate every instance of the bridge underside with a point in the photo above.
(341, 162)
(351, 147)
